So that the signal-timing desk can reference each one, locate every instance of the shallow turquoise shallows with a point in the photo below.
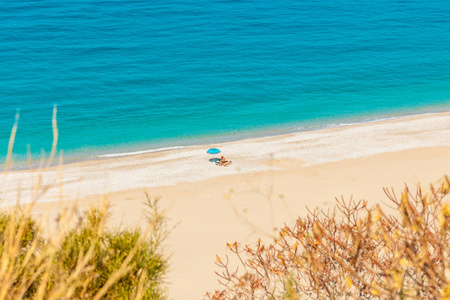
(137, 75)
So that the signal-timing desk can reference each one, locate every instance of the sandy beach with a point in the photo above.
(269, 184)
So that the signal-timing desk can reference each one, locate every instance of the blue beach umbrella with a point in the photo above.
(213, 151)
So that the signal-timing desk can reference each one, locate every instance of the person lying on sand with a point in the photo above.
(224, 162)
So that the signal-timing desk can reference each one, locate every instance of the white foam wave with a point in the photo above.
(112, 155)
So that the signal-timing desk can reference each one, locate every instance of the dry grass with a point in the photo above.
(354, 252)
(88, 261)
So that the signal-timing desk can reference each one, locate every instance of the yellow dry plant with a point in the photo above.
(354, 252)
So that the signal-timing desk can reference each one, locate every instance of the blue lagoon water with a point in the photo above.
(137, 75)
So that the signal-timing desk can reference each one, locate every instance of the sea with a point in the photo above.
(137, 76)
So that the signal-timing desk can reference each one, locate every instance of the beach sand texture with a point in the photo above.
(269, 184)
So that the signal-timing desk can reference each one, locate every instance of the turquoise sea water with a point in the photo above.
(137, 75)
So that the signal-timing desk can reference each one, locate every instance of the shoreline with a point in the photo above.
(272, 132)
(73, 157)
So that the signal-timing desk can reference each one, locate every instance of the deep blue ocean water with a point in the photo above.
(138, 75)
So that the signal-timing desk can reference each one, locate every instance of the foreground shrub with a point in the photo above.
(89, 261)
(355, 252)
(20, 243)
